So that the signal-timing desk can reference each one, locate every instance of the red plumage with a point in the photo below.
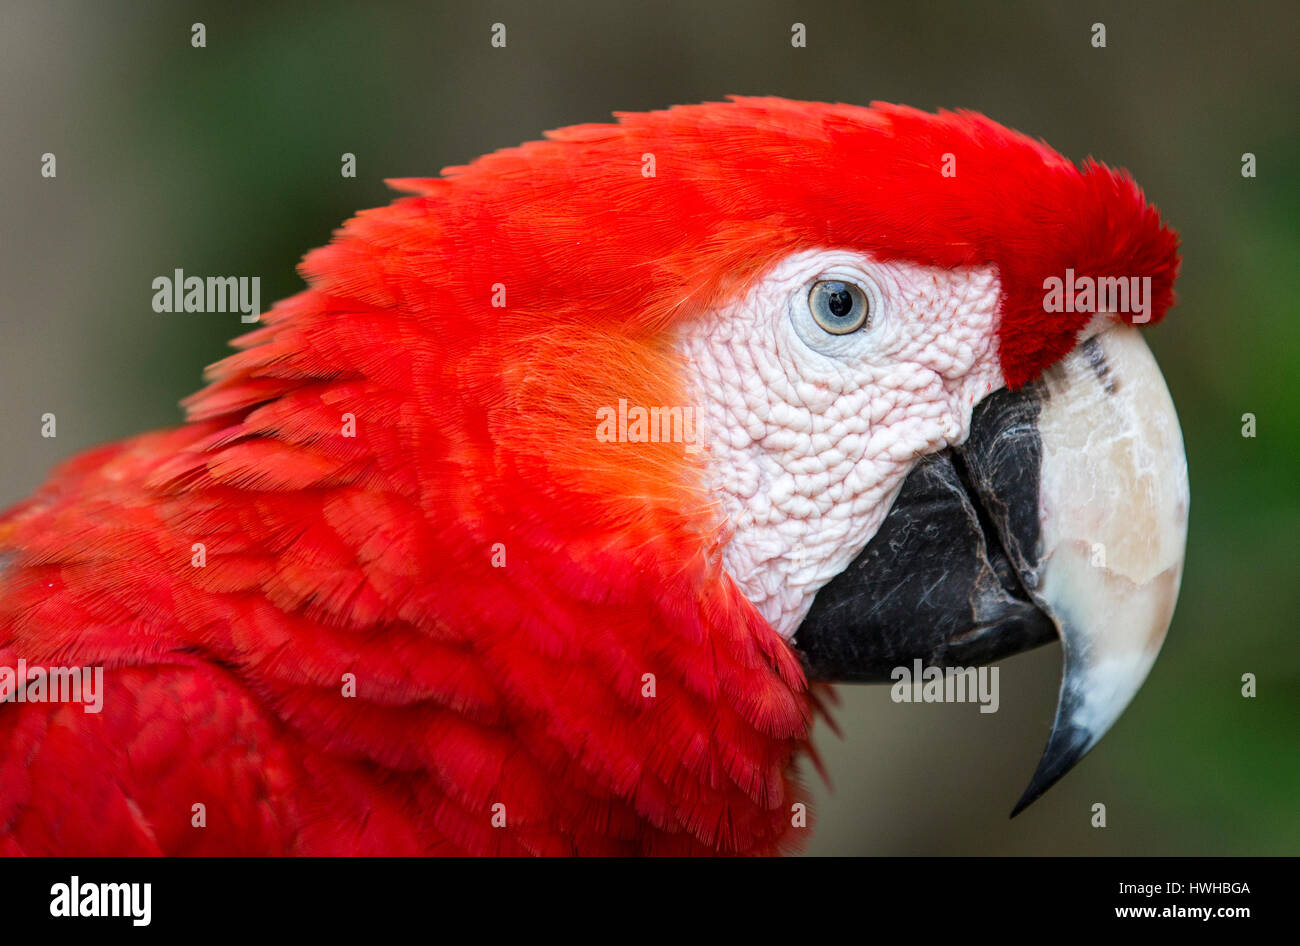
(372, 555)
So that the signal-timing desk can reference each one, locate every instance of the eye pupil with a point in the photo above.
(839, 301)
(838, 307)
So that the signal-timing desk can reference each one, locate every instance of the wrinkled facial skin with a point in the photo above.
(878, 518)
(808, 436)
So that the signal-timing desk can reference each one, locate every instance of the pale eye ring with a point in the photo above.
(838, 307)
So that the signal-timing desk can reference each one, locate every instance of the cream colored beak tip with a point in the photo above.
(1113, 511)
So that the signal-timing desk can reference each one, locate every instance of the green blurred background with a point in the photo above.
(226, 160)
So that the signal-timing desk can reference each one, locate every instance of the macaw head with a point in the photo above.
(755, 393)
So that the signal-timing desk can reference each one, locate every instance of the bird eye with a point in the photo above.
(838, 307)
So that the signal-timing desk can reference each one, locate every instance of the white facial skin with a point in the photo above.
(807, 435)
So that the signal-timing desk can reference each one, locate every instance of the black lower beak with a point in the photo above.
(1063, 515)
(936, 582)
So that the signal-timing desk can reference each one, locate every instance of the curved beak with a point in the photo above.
(1063, 515)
